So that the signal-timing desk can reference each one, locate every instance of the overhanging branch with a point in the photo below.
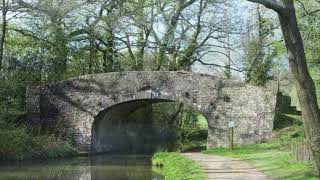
(271, 4)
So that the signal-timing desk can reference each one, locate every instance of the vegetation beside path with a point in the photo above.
(21, 144)
(174, 166)
(275, 158)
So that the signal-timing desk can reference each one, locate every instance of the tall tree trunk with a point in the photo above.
(186, 61)
(104, 64)
(91, 55)
(167, 39)
(141, 47)
(141, 39)
(227, 71)
(3, 31)
(303, 82)
(110, 50)
(298, 65)
(59, 50)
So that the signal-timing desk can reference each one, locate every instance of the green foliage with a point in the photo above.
(14, 86)
(258, 64)
(19, 144)
(17, 141)
(12, 97)
(279, 47)
(174, 166)
(14, 143)
(309, 14)
(259, 56)
(308, 11)
(51, 147)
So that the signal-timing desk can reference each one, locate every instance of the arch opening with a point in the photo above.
(146, 126)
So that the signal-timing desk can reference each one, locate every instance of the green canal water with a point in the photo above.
(106, 167)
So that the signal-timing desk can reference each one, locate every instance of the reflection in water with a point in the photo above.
(122, 167)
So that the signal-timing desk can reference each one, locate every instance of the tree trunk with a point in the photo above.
(141, 46)
(303, 82)
(3, 31)
(104, 64)
(140, 33)
(168, 38)
(58, 50)
(91, 59)
(298, 65)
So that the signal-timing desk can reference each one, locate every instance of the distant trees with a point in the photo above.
(258, 50)
(78, 37)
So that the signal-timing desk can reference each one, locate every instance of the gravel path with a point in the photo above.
(221, 168)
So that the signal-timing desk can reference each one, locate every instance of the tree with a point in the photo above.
(198, 31)
(6, 6)
(298, 66)
(142, 15)
(4, 9)
(100, 34)
(53, 15)
(259, 53)
(185, 60)
(308, 12)
(171, 27)
(143, 30)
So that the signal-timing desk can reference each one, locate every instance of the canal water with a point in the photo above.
(106, 167)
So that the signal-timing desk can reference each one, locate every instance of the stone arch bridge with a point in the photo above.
(72, 105)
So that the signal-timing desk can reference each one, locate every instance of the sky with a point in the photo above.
(244, 10)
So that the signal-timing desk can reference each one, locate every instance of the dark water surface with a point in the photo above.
(113, 167)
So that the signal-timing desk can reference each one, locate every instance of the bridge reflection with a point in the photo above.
(123, 167)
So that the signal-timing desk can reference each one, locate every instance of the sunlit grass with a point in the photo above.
(174, 166)
(274, 158)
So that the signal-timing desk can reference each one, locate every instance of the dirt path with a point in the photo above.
(218, 167)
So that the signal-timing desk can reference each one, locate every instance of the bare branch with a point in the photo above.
(217, 65)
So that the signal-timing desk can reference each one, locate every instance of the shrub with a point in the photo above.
(18, 144)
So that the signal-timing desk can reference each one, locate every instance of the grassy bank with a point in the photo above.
(174, 166)
(274, 158)
(20, 144)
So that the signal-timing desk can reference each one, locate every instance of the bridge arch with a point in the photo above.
(114, 130)
(72, 105)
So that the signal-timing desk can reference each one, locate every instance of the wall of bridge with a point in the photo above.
(71, 106)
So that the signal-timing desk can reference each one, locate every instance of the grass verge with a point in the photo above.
(174, 166)
(274, 158)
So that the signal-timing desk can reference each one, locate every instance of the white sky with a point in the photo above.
(244, 10)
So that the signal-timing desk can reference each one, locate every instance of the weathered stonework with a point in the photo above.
(72, 105)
